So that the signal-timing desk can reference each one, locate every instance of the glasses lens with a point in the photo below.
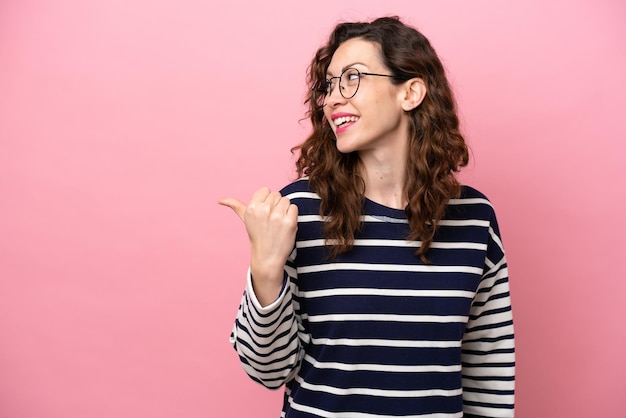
(350, 80)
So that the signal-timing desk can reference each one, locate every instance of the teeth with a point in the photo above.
(345, 119)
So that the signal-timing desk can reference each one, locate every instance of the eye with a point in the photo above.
(351, 77)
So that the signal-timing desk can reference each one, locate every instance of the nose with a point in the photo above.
(334, 97)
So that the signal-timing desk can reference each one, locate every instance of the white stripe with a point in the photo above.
(483, 411)
(303, 195)
(365, 342)
(367, 218)
(489, 372)
(489, 384)
(459, 245)
(499, 399)
(439, 319)
(381, 218)
(330, 414)
(311, 243)
(291, 272)
(489, 345)
(390, 267)
(347, 367)
(489, 333)
(497, 303)
(396, 243)
(464, 222)
(388, 292)
(310, 218)
(488, 359)
(496, 238)
(470, 201)
(378, 392)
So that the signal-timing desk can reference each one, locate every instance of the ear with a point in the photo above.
(412, 94)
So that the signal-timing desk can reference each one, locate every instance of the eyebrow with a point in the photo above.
(346, 67)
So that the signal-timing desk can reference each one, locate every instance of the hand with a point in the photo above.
(271, 222)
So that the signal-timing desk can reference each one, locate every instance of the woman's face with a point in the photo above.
(373, 119)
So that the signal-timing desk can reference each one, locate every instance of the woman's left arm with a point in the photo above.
(488, 349)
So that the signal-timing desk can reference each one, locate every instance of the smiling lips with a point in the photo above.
(343, 121)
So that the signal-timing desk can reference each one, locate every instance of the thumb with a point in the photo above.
(235, 204)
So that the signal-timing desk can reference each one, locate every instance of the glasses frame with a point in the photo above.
(324, 91)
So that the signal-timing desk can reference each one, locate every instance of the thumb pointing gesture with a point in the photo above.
(271, 222)
(235, 204)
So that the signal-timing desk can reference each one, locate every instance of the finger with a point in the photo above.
(259, 196)
(235, 204)
(292, 212)
(282, 205)
(273, 198)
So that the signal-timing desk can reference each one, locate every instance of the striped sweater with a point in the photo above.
(376, 332)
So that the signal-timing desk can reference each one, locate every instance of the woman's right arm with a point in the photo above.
(265, 334)
(266, 337)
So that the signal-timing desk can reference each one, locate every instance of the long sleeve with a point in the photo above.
(488, 349)
(266, 338)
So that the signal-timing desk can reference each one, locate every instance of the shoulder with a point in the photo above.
(471, 202)
(301, 195)
(297, 188)
(468, 192)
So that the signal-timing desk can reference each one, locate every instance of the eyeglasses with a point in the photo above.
(349, 82)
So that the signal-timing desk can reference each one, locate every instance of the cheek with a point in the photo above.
(327, 114)
(328, 124)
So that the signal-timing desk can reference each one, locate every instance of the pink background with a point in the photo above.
(122, 123)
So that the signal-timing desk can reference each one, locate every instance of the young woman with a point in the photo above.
(378, 285)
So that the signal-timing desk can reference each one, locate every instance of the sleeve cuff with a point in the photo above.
(269, 308)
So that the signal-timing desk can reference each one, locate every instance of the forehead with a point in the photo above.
(355, 51)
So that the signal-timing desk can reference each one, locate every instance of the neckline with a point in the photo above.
(374, 208)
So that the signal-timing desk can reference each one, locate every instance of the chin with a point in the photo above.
(346, 150)
(345, 147)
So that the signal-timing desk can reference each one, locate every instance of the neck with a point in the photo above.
(385, 178)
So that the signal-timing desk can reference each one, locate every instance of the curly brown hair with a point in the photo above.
(436, 147)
